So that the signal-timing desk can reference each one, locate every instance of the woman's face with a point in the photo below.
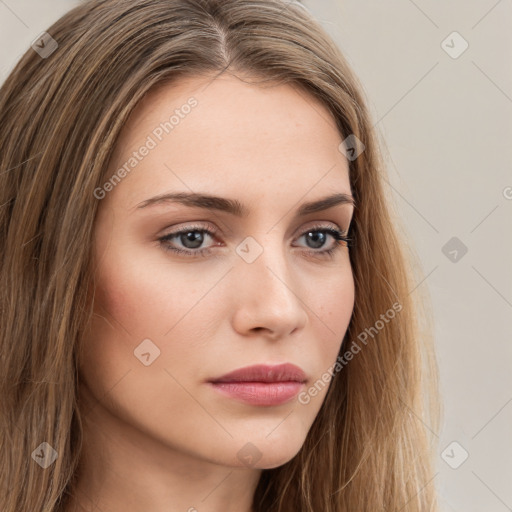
(264, 291)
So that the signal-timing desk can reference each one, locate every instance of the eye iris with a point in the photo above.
(318, 238)
(192, 236)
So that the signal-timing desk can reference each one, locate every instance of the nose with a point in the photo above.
(267, 298)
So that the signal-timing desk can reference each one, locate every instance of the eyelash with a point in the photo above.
(341, 240)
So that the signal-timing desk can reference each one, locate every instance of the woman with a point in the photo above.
(205, 302)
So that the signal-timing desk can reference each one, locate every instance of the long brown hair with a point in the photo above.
(61, 111)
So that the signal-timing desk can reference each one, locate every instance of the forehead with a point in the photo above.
(237, 138)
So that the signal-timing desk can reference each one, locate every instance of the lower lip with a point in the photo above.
(259, 393)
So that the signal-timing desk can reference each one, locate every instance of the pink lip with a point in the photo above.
(262, 384)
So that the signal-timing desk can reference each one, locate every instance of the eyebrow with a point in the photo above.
(235, 207)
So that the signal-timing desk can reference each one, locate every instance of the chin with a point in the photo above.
(275, 460)
(262, 452)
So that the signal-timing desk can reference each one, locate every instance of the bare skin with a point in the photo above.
(159, 437)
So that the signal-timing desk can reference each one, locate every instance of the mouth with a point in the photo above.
(262, 385)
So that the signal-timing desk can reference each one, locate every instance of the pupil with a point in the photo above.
(196, 239)
(318, 238)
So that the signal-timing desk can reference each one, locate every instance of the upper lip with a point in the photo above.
(265, 373)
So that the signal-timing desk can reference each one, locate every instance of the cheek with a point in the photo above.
(134, 305)
(333, 303)
(331, 310)
(341, 305)
(130, 292)
(139, 299)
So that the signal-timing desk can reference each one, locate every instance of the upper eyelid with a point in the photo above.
(196, 225)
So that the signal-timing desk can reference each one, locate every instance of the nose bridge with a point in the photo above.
(266, 289)
(265, 261)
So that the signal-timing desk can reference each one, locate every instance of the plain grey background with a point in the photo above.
(438, 79)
